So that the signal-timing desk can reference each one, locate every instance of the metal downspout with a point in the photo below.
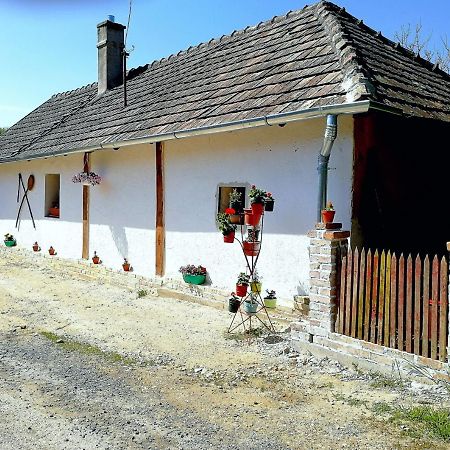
(324, 157)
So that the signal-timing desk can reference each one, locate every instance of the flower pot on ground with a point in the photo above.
(233, 303)
(193, 274)
(251, 248)
(270, 300)
(96, 258)
(250, 306)
(328, 213)
(9, 240)
(36, 247)
(51, 251)
(126, 265)
(229, 238)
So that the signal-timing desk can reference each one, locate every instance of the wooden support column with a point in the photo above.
(86, 195)
(160, 233)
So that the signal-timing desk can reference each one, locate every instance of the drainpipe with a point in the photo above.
(324, 157)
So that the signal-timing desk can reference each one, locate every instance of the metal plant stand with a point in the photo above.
(241, 317)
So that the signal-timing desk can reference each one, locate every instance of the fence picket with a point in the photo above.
(387, 299)
(443, 311)
(355, 292)
(342, 295)
(392, 303)
(401, 303)
(373, 314)
(409, 304)
(381, 298)
(425, 306)
(349, 293)
(434, 304)
(362, 274)
(417, 304)
(367, 303)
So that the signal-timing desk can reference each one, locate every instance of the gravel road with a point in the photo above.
(87, 365)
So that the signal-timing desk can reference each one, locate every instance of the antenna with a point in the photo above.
(126, 54)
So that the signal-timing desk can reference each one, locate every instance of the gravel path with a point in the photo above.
(89, 365)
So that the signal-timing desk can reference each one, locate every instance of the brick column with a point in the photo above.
(327, 242)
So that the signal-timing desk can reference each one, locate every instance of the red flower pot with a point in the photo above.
(229, 238)
(95, 259)
(251, 218)
(235, 218)
(36, 247)
(328, 216)
(251, 248)
(241, 290)
(258, 208)
(126, 267)
(51, 251)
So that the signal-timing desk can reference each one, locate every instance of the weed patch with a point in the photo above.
(142, 293)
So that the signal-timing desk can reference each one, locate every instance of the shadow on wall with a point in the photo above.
(120, 239)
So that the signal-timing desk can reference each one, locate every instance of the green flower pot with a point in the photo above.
(10, 243)
(194, 279)
(270, 302)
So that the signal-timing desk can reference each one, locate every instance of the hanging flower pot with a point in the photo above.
(233, 303)
(256, 286)
(250, 307)
(87, 178)
(251, 248)
(268, 206)
(51, 251)
(236, 219)
(250, 218)
(257, 208)
(36, 247)
(229, 238)
(241, 290)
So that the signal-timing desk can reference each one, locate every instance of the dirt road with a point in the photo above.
(88, 365)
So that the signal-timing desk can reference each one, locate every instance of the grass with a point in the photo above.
(142, 293)
(87, 349)
(352, 401)
(242, 335)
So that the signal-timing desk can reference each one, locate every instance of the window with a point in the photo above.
(224, 197)
(52, 188)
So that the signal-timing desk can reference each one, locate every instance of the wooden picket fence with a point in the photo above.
(396, 302)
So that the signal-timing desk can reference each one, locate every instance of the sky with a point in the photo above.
(49, 46)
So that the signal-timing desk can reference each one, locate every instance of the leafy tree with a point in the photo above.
(414, 40)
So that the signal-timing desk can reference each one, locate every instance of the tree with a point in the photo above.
(2, 130)
(413, 40)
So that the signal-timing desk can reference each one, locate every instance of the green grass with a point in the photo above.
(435, 421)
(378, 380)
(142, 293)
(87, 349)
(242, 335)
(352, 401)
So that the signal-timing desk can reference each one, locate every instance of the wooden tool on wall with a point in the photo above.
(30, 186)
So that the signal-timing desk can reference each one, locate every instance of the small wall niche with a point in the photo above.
(52, 189)
(223, 200)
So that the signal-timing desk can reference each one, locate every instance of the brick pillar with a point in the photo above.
(327, 242)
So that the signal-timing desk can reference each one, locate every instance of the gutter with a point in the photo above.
(274, 119)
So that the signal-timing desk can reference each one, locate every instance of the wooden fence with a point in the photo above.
(396, 302)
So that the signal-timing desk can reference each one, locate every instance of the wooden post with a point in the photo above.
(160, 227)
(86, 195)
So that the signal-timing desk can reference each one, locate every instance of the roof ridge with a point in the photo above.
(356, 81)
(72, 91)
(225, 37)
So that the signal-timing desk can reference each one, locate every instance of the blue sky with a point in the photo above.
(49, 46)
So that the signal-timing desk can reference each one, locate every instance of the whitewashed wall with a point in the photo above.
(280, 160)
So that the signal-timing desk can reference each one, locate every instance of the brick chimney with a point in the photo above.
(110, 44)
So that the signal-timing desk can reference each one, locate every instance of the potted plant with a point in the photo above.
(257, 200)
(9, 240)
(251, 305)
(96, 258)
(236, 204)
(250, 218)
(51, 251)
(54, 210)
(269, 203)
(328, 213)
(87, 178)
(234, 303)
(36, 247)
(242, 284)
(193, 274)
(256, 284)
(270, 300)
(126, 265)
(225, 226)
(251, 245)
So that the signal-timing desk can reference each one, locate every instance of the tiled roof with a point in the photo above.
(316, 56)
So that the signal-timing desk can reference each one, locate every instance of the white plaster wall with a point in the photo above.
(280, 160)
(122, 212)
